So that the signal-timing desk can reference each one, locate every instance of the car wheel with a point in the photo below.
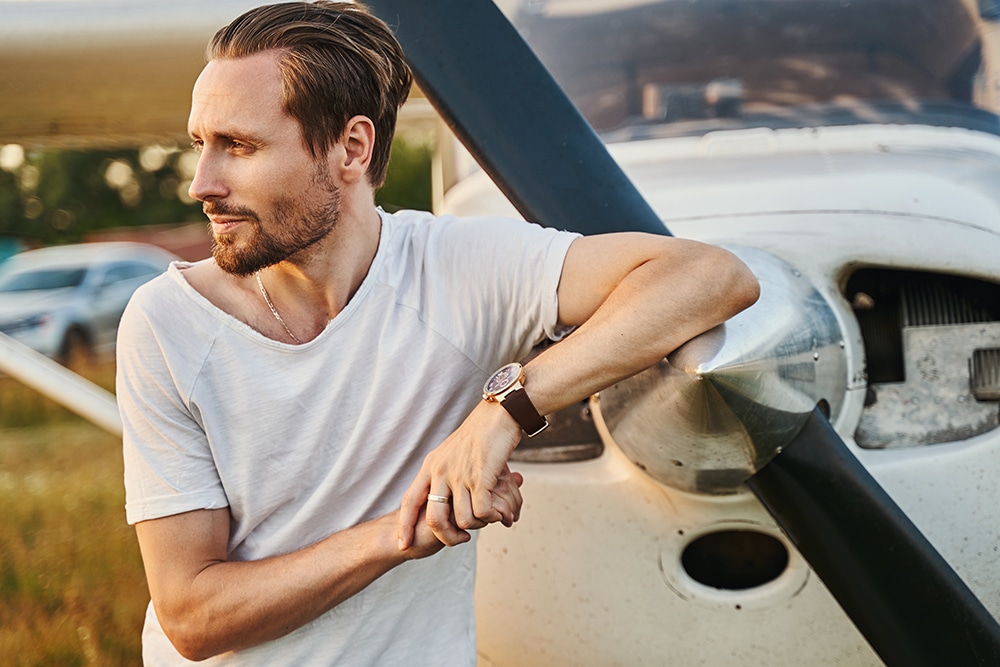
(75, 353)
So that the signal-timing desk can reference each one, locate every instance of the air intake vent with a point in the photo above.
(984, 374)
(936, 300)
(886, 301)
(932, 352)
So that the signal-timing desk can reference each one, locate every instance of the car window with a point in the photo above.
(127, 270)
(43, 279)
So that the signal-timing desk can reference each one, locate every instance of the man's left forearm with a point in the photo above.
(655, 308)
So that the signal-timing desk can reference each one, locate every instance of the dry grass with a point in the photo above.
(72, 590)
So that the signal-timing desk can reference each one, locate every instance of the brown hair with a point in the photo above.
(337, 61)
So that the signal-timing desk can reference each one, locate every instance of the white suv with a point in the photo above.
(66, 301)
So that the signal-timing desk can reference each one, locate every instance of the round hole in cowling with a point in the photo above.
(735, 559)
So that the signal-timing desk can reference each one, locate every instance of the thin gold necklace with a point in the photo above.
(274, 311)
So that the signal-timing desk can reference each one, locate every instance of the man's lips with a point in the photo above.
(223, 224)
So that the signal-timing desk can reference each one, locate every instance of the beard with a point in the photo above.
(295, 227)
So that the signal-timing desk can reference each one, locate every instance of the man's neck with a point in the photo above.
(324, 277)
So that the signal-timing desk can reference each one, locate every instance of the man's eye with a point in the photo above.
(240, 147)
(198, 145)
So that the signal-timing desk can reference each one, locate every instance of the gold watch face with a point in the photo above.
(502, 379)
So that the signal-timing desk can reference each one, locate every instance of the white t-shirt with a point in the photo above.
(300, 441)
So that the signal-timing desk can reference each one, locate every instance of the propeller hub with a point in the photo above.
(721, 406)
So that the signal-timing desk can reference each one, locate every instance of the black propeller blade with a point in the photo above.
(511, 115)
(505, 107)
(899, 592)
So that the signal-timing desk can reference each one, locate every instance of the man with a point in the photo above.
(306, 444)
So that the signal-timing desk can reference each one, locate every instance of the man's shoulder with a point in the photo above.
(406, 227)
(426, 220)
(152, 292)
(424, 250)
(165, 298)
(410, 227)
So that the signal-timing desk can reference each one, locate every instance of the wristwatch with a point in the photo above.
(506, 387)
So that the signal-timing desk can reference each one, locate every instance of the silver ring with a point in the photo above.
(438, 499)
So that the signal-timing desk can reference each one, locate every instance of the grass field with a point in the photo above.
(72, 590)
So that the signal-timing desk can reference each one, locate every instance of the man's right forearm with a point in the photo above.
(208, 605)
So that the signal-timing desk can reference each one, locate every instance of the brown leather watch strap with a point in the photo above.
(524, 413)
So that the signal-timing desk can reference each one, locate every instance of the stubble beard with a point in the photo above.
(295, 226)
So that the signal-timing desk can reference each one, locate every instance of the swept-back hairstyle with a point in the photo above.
(336, 59)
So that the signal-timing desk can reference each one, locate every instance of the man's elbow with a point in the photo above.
(738, 288)
(191, 648)
(189, 638)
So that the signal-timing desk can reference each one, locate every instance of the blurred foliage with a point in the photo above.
(61, 196)
(72, 587)
(408, 183)
(52, 197)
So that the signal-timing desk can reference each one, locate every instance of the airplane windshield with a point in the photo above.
(677, 67)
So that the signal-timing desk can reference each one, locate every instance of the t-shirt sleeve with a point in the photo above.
(169, 468)
(502, 278)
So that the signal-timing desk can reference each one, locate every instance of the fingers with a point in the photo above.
(468, 509)
(451, 520)
(450, 517)
(463, 512)
(424, 542)
(410, 508)
(507, 498)
(439, 519)
(480, 507)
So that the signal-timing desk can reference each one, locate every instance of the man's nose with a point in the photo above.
(208, 182)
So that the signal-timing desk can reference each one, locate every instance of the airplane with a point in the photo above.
(810, 483)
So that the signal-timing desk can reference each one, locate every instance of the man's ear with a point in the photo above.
(357, 143)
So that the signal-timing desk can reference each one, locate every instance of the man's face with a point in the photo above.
(265, 196)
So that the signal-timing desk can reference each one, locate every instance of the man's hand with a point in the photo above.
(469, 468)
(425, 542)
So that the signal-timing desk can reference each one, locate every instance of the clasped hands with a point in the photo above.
(470, 468)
